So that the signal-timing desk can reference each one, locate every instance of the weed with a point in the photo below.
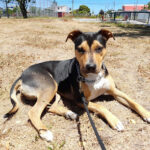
(56, 146)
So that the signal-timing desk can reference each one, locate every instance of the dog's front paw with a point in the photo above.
(46, 135)
(119, 126)
(145, 115)
(147, 119)
(115, 123)
(71, 115)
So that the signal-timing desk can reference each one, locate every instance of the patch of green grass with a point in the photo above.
(37, 138)
(56, 146)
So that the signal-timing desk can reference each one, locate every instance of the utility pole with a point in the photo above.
(6, 2)
(114, 5)
(136, 5)
(7, 8)
(72, 6)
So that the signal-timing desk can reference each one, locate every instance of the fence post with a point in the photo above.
(114, 16)
(7, 9)
(134, 15)
(148, 19)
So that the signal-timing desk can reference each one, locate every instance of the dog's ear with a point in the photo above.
(73, 35)
(106, 33)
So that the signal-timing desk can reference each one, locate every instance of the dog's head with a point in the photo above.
(90, 49)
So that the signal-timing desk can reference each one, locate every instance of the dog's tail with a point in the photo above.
(13, 98)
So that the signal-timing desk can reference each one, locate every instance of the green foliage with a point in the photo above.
(56, 146)
(148, 5)
(82, 11)
(10, 11)
(101, 12)
(15, 9)
(109, 11)
(23, 4)
(1, 12)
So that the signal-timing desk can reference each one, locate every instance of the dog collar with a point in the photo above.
(83, 79)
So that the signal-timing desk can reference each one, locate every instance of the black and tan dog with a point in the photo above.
(43, 81)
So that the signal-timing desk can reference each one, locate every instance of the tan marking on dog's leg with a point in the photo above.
(127, 101)
(107, 115)
(60, 110)
(131, 104)
(43, 100)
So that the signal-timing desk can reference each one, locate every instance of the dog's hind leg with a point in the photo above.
(60, 110)
(45, 96)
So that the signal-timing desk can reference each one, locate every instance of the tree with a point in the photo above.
(109, 11)
(23, 4)
(1, 12)
(83, 9)
(148, 5)
(101, 12)
(6, 3)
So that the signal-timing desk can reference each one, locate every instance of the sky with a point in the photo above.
(97, 5)
(94, 5)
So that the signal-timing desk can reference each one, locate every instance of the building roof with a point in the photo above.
(132, 7)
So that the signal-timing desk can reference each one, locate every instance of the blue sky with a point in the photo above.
(94, 5)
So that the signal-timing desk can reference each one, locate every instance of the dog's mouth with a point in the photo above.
(84, 71)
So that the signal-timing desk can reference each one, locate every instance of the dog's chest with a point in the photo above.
(98, 88)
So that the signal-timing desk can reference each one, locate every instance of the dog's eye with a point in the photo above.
(98, 50)
(81, 50)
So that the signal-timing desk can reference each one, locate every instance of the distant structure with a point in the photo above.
(133, 7)
(63, 11)
(57, 11)
(52, 10)
(54, 6)
(48, 8)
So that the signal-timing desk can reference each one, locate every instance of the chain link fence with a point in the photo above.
(46, 8)
(129, 16)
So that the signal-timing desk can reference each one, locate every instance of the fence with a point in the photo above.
(139, 16)
(42, 8)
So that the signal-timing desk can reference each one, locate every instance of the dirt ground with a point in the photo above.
(25, 42)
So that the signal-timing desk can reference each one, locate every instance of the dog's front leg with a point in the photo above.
(131, 104)
(61, 110)
(107, 115)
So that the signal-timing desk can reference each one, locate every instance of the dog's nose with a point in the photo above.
(91, 67)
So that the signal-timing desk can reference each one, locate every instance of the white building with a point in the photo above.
(64, 9)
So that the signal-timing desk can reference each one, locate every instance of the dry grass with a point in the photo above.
(25, 42)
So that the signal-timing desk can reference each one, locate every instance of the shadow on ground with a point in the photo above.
(133, 31)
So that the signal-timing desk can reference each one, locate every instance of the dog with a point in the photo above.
(50, 79)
